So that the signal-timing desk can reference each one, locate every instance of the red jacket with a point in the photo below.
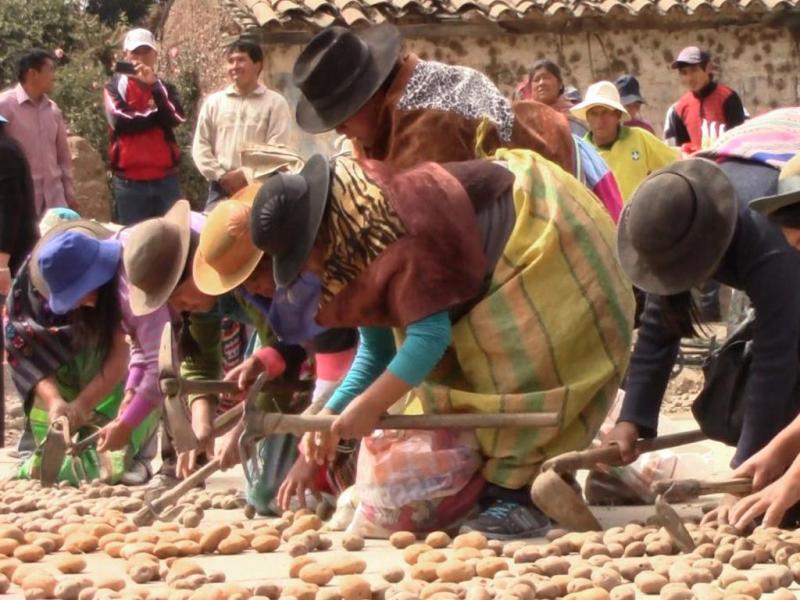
(142, 119)
(715, 103)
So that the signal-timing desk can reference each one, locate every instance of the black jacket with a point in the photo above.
(762, 264)
(18, 231)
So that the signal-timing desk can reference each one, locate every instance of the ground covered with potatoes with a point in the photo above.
(81, 544)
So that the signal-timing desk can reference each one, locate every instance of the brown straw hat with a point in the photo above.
(155, 255)
(225, 256)
(678, 225)
(85, 226)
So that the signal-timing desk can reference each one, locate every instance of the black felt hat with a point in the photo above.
(340, 70)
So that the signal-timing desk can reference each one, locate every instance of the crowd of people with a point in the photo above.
(465, 252)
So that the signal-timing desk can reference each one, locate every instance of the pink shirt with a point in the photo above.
(42, 133)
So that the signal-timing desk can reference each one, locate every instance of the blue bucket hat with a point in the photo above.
(73, 265)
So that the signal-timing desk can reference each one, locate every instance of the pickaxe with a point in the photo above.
(259, 424)
(176, 389)
(56, 446)
(684, 490)
(559, 501)
(162, 508)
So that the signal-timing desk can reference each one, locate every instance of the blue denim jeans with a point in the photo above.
(215, 194)
(141, 200)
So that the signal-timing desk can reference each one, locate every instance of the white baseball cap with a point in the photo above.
(136, 38)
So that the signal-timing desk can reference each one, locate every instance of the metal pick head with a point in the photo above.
(246, 439)
(246, 444)
(53, 451)
(672, 522)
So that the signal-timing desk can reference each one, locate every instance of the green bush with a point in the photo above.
(184, 74)
(86, 49)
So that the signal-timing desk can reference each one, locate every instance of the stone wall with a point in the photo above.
(758, 61)
(90, 180)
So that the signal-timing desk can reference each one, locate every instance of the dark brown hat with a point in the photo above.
(340, 70)
(676, 228)
(286, 216)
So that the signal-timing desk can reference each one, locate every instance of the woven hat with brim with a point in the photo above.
(155, 257)
(340, 70)
(602, 93)
(225, 255)
(84, 226)
(287, 214)
(788, 189)
(74, 264)
(676, 228)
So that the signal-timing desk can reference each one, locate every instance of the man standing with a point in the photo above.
(243, 114)
(17, 226)
(631, 152)
(142, 112)
(632, 100)
(36, 122)
(705, 100)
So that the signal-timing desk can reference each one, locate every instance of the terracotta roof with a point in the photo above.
(321, 13)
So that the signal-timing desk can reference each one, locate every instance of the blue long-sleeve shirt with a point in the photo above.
(425, 344)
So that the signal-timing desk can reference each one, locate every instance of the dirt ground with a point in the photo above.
(250, 568)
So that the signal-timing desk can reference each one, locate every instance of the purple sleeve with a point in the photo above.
(145, 335)
(135, 375)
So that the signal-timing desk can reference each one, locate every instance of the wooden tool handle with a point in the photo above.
(299, 424)
(83, 444)
(229, 417)
(609, 455)
(171, 386)
(688, 489)
(171, 496)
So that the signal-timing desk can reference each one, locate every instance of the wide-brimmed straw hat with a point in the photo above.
(225, 255)
(286, 216)
(85, 226)
(676, 228)
(340, 70)
(602, 93)
(155, 257)
(788, 189)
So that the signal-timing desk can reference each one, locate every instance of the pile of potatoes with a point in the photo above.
(610, 565)
(45, 533)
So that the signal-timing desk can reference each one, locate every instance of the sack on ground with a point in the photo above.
(416, 480)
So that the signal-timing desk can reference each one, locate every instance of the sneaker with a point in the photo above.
(509, 521)
(160, 483)
(138, 474)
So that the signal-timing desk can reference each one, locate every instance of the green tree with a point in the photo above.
(112, 12)
(86, 49)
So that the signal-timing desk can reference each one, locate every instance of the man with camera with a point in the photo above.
(142, 112)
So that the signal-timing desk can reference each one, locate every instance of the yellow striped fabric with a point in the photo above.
(553, 333)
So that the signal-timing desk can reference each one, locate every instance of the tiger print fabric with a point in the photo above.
(360, 223)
